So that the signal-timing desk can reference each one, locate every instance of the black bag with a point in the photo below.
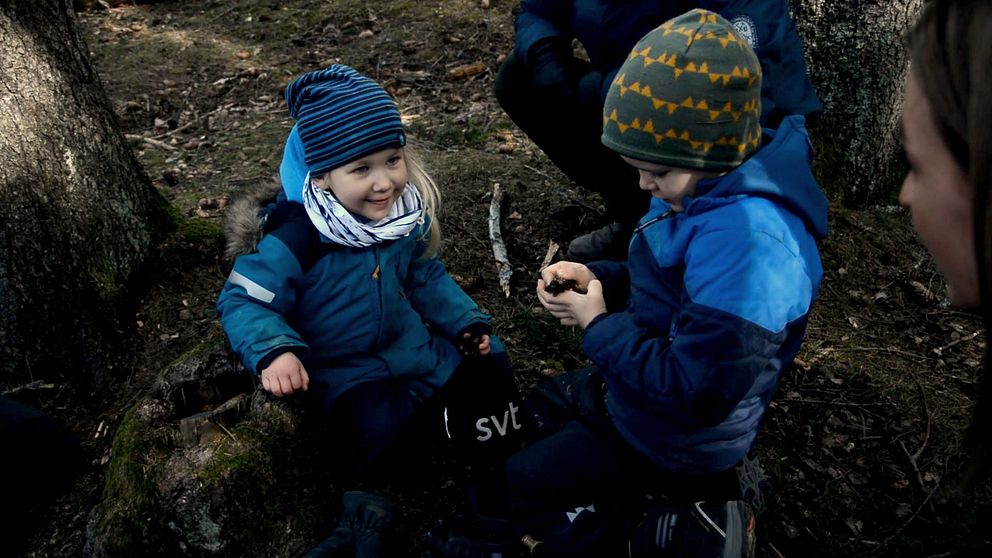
(481, 409)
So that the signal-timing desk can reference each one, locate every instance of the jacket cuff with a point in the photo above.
(266, 360)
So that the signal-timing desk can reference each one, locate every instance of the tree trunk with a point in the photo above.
(857, 61)
(79, 213)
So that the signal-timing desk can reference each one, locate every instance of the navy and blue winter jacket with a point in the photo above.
(609, 29)
(715, 304)
(350, 314)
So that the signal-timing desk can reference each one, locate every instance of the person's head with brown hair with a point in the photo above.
(947, 134)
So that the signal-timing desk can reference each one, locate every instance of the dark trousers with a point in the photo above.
(567, 127)
(385, 432)
(582, 460)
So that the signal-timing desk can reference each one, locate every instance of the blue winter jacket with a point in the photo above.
(350, 314)
(715, 303)
(609, 29)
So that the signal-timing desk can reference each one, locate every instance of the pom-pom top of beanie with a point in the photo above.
(688, 96)
(342, 115)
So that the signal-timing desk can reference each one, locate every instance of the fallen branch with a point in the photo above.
(496, 238)
(890, 350)
(151, 142)
(36, 385)
(833, 403)
(939, 351)
(195, 120)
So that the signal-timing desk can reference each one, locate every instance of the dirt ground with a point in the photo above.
(865, 427)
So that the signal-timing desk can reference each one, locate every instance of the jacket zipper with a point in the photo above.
(654, 220)
(377, 285)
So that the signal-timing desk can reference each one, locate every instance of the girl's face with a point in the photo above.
(668, 183)
(370, 185)
(938, 195)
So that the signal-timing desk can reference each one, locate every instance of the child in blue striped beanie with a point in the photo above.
(345, 299)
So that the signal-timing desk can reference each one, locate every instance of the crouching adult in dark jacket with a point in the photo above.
(557, 98)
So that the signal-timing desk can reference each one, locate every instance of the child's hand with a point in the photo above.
(563, 276)
(573, 307)
(472, 345)
(285, 375)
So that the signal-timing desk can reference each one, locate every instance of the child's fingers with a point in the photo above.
(560, 313)
(296, 380)
(563, 299)
(541, 285)
(548, 274)
(285, 386)
(306, 379)
(547, 298)
(554, 306)
(274, 388)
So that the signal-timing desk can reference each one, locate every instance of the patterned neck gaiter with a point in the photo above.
(338, 224)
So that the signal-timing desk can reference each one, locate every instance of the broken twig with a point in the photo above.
(939, 351)
(550, 255)
(496, 237)
(36, 385)
(151, 142)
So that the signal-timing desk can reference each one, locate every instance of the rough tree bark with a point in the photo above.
(79, 214)
(857, 61)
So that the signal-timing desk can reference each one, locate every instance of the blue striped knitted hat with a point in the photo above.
(341, 116)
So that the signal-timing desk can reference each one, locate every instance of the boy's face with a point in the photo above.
(370, 185)
(670, 184)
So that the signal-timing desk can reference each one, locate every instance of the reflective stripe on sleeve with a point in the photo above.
(254, 290)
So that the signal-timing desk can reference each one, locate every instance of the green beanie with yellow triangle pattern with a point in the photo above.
(688, 96)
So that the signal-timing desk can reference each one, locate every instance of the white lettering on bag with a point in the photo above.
(509, 420)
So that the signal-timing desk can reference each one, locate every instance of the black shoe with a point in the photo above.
(720, 529)
(608, 243)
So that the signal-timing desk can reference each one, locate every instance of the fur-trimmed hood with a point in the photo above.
(243, 220)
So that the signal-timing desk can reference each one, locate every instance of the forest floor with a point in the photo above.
(865, 427)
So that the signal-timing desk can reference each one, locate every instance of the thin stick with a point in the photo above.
(31, 386)
(496, 238)
(151, 142)
(940, 350)
(539, 171)
(194, 121)
(915, 457)
(828, 350)
(833, 403)
(550, 255)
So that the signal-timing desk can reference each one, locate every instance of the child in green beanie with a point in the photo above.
(690, 336)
